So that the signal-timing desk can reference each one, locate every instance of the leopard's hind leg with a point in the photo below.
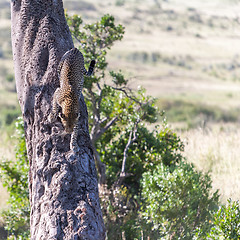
(56, 108)
(74, 135)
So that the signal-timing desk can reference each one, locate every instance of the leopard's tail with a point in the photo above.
(91, 68)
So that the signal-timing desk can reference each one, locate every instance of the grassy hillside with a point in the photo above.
(185, 53)
(180, 51)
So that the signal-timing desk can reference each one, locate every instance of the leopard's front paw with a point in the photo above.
(73, 143)
(51, 118)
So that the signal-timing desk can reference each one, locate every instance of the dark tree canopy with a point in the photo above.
(62, 184)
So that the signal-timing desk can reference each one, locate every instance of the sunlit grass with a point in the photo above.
(217, 150)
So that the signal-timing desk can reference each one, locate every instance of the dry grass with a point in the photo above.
(217, 150)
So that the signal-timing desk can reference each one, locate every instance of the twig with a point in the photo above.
(100, 166)
(95, 136)
(125, 92)
(131, 139)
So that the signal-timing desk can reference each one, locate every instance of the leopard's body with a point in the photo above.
(66, 98)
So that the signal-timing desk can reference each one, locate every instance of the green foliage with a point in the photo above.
(226, 222)
(103, 100)
(178, 200)
(95, 39)
(118, 78)
(112, 101)
(121, 215)
(149, 149)
(14, 176)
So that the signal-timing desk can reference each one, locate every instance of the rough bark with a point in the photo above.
(63, 184)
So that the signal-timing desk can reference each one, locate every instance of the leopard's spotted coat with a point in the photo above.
(66, 98)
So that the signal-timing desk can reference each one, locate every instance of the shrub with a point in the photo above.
(226, 222)
(177, 201)
(150, 148)
(14, 176)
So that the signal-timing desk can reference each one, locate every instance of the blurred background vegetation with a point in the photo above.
(186, 54)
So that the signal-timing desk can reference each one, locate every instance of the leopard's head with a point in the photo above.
(68, 121)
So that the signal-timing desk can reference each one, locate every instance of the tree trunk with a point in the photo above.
(63, 184)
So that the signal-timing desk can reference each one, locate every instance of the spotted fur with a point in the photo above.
(71, 73)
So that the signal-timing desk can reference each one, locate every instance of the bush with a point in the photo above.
(14, 176)
(177, 201)
(150, 148)
(226, 222)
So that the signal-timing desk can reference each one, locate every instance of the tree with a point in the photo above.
(62, 184)
(115, 109)
(124, 147)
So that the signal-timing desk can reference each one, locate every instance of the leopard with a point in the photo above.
(66, 99)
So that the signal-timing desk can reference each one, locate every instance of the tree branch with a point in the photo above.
(131, 139)
(129, 96)
(96, 135)
(100, 166)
